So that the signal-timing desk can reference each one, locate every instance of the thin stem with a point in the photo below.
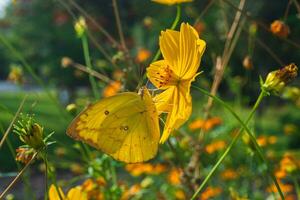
(89, 64)
(18, 176)
(119, 26)
(13, 121)
(50, 174)
(244, 127)
(174, 24)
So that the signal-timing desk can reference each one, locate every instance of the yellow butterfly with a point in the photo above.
(124, 126)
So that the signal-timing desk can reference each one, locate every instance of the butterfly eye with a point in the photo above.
(106, 112)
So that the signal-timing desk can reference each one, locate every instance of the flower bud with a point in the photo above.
(277, 80)
(280, 29)
(66, 62)
(72, 108)
(80, 27)
(30, 132)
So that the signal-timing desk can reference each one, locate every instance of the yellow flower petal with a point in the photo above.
(179, 113)
(182, 50)
(76, 194)
(161, 75)
(53, 194)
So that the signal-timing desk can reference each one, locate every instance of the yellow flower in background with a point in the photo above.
(171, 2)
(182, 51)
(75, 193)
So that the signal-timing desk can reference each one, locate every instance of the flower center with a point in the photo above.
(165, 77)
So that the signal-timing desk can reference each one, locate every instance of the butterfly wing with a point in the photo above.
(124, 126)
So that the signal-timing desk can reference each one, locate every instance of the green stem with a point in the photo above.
(174, 24)
(158, 53)
(88, 63)
(244, 127)
(50, 174)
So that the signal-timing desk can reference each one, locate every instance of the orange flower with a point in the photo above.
(133, 190)
(229, 174)
(285, 188)
(142, 55)
(280, 174)
(210, 192)
(205, 125)
(92, 188)
(145, 168)
(24, 155)
(262, 140)
(215, 146)
(112, 89)
(280, 29)
(174, 176)
(289, 163)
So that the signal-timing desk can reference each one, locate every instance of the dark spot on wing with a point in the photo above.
(106, 112)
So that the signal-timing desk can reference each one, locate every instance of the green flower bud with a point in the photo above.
(277, 80)
(80, 27)
(30, 132)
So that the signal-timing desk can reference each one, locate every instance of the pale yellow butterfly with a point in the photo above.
(124, 126)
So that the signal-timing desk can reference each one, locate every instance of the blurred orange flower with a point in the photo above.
(215, 146)
(142, 55)
(205, 125)
(210, 192)
(280, 29)
(112, 89)
(171, 2)
(92, 188)
(174, 176)
(285, 188)
(131, 192)
(145, 168)
(229, 174)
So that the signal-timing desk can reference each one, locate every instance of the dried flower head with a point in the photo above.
(66, 62)
(280, 29)
(277, 80)
(247, 63)
(24, 154)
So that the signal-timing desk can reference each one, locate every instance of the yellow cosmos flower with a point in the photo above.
(75, 193)
(182, 52)
(171, 2)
